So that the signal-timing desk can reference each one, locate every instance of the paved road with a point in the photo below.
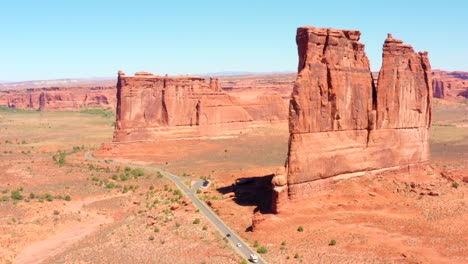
(233, 238)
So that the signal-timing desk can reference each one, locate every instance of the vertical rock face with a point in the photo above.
(450, 85)
(59, 98)
(148, 105)
(341, 123)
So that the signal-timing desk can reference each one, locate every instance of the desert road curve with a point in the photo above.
(233, 239)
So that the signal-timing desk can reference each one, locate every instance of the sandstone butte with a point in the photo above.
(59, 98)
(149, 106)
(341, 124)
(450, 85)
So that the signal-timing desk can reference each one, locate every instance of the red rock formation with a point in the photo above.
(59, 98)
(342, 124)
(450, 85)
(268, 107)
(148, 105)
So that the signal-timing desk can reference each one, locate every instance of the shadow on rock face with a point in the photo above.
(248, 191)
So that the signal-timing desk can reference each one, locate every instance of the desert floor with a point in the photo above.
(115, 213)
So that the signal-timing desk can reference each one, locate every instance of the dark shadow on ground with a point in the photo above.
(250, 191)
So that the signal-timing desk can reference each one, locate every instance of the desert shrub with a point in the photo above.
(56, 212)
(47, 197)
(198, 191)
(95, 178)
(159, 175)
(283, 243)
(5, 198)
(196, 221)
(296, 256)
(262, 250)
(124, 177)
(16, 195)
(255, 243)
(107, 113)
(128, 169)
(178, 192)
(151, 238)
(243, 262)
(137, 172)
(151, 187)
(455, 185)
(67, 198)
(300, 229)
(205, 228)
(59, 158)
(156, 229)
(115, 177)
(177, 224)
(32, 196)
(332, 242)
(110, 185)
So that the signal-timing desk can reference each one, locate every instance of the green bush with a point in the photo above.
(205, 228)
(255, 243)
(137, 172)
(262, 250)
(300, 229)
(110, 185)
(67, 198)
(56, 212)
(124, 177)
(455, 185)
(59, 158)
(17, 195)
(196, 221)
(332, 242)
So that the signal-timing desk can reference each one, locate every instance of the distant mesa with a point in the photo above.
(344, 124)
(149, 105)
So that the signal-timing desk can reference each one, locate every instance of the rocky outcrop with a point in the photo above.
(450, 85)
(341, 123)
(59, 98)
(267, 108)
(149, 105)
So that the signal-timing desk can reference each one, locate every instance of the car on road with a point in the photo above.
(205, 183)
(253, 258)
(228, 235)
(238, 245)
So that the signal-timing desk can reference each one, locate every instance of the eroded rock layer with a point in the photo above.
(59, 98)
(450, 85)
(148, 105)
(341, 123)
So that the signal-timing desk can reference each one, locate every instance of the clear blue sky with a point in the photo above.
(60, 39)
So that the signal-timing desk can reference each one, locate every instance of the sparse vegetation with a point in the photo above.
(332, 242)
(262, 250)
(17, 194)
(59, 158)
(300, 229)
(107, 113)
(196, 221)
(455, 185)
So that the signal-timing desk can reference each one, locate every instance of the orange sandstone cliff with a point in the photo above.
(149, 106)
(59, 98)
(342, 124)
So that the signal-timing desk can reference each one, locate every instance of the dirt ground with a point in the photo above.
(60, 208)
(413, 217)
(112, 215)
